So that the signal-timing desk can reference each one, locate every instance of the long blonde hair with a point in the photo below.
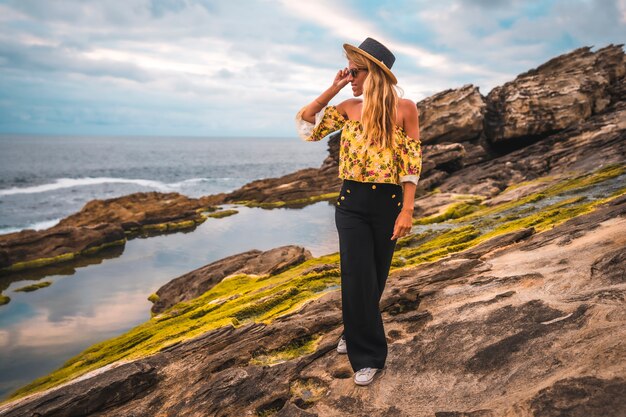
(380, 103)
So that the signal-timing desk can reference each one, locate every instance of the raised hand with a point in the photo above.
(341, 79)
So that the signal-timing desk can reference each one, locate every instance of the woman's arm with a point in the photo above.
(408, 199)
(341, 79)
(411, 169)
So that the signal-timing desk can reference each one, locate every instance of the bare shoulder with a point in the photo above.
(407, 107)
(346, 106)
(410, 118)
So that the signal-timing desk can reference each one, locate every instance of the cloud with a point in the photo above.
(44, 58)
(172, 63)
(42, 330)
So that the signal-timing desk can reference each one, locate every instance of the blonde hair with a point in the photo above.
(380, 103)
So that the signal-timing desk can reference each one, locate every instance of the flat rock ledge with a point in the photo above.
(527, 324)
(101, 224)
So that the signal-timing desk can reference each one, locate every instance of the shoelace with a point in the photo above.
(365, 371)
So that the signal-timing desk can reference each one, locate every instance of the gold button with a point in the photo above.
(374, 187)
(348, 191)
(393, 196)
(343, 198)
(338, 203)
(399, 204)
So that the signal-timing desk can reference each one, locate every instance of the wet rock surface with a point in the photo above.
(31, 245)
(499, 329)
(102, 222)
(108, 388)
(578, 397)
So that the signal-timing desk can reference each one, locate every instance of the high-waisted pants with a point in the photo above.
(365, 215)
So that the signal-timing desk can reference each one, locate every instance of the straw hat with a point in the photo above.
(378, 53)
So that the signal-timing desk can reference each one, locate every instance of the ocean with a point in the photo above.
(43, 179)
(46, 178)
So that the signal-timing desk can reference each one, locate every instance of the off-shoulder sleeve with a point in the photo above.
(327, 121)
(410, 159)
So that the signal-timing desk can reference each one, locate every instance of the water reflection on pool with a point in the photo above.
(40, 330)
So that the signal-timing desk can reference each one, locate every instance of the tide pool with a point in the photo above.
(40, 330)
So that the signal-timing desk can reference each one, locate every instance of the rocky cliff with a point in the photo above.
(460, 128)
(507, 299)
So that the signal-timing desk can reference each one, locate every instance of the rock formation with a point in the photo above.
(459, 128)
(507, 299)
(137, 210)
(199, 281)
(523, 324)
(555, 95)
(100, 224)
(30, 248)
(453, 115)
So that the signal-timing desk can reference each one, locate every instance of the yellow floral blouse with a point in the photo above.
(359, 162)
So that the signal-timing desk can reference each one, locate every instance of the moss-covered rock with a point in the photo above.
(4, 299)
(34, 287)
(291, 203)
(298, 347)
(222, 213)
(454, 211)
(244, 298)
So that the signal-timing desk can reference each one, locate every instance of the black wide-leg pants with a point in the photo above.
(365, 215)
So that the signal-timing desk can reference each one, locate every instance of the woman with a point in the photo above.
(380, 161)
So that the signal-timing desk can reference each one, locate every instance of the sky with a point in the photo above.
(244, 68)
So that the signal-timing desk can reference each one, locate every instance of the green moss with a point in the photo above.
(587, 180)
(258, 307)
(222, 213)
(502, 218)
(441, 242)
(259, 298)
(185, 224)
(547, 218)
(398, 262)
(296, 348)
(154, 298)
(308, 391)
(92, 250)
(414, 239)
(158, 227)
(37, 263)
(454, 211)
(203, 210)
(4, 299)
(41, 262)
(296, 202)
(269, 412)
(540, 180)
(484, 211)
(168, 226)
(34, 287)
(618, 193)
(242, 298)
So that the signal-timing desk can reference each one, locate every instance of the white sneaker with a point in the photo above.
(341, 346)
(365, 376)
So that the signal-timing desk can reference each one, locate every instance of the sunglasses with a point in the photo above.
(355, 71)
